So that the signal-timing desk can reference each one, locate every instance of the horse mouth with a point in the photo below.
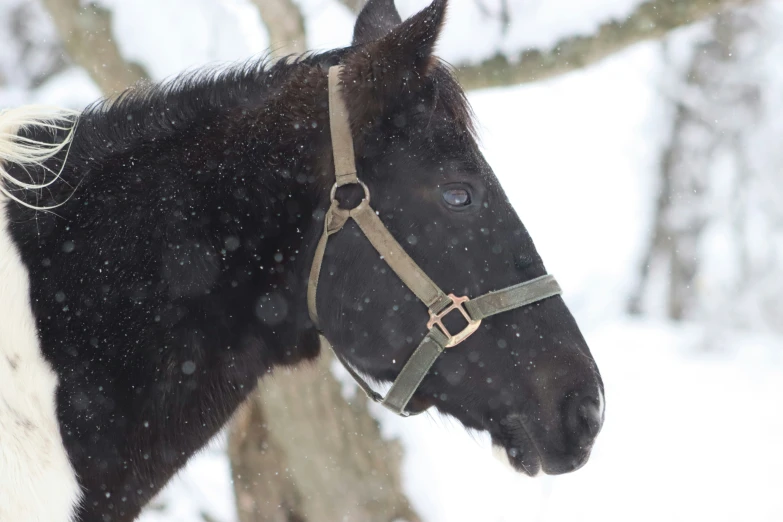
(525, 456)
(524, 460)
(519, 446)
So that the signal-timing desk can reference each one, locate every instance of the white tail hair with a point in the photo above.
(27, 152)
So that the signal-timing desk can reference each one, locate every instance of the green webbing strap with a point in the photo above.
(414, 371)
(432, 346)
(410, 377)
(512, 297)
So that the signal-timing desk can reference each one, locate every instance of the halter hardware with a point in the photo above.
(333, 193)
(456, 304)
(439, 304)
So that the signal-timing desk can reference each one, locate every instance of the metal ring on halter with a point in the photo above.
(366, 191)
(456, 304)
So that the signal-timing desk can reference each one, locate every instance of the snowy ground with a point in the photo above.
(693, 420)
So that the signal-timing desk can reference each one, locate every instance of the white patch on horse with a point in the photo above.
(26, 151)
(37, 481)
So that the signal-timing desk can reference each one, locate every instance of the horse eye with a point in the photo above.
(457, 197)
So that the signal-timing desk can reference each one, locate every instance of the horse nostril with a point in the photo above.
(583, 419)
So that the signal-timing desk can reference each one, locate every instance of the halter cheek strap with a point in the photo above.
(439, 304)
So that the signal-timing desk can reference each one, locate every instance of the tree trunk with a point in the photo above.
(285, 25)
(85, 30)
(263, 484)
(717, 102)
(301, 452)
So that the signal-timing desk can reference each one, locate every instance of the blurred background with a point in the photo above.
(640, 142)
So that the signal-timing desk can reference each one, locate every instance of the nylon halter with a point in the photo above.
(439, 304)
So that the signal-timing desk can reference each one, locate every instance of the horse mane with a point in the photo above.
(153, 112)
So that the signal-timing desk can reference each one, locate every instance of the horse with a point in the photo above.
(162, 251)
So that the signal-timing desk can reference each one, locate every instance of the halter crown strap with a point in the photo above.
(342, 140)
(439, 304)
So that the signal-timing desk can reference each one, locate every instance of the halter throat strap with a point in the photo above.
(438, 302)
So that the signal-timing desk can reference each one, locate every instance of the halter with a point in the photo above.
(439, 304)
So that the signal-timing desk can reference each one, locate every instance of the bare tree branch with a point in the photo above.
(285, 24)
(652, 19)
(86, 35)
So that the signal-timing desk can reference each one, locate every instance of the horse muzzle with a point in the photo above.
(555, 448)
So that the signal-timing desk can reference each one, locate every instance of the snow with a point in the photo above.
(203, 491)
(693, 420)
(575, 155)
(70, 88)
(207, 31)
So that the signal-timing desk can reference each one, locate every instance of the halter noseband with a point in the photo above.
(439, 304)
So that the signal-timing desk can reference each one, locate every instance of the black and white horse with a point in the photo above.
(155, 252)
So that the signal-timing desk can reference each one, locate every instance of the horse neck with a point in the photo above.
(270, 217)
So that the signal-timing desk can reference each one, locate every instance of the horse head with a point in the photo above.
(526, 375)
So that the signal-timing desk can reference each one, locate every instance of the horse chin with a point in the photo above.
(520, 451)
(523, 455)
(525, 460)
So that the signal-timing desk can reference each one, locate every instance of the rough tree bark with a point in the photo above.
(319, 457)
(264, 486)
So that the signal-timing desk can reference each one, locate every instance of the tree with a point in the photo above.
(300, 445)
(710, 184)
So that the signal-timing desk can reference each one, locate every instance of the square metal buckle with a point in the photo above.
(456, 304)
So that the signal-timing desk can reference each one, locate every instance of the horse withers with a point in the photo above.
(158, 254)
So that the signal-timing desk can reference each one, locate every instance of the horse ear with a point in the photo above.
(376, 20)
(378, 74)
